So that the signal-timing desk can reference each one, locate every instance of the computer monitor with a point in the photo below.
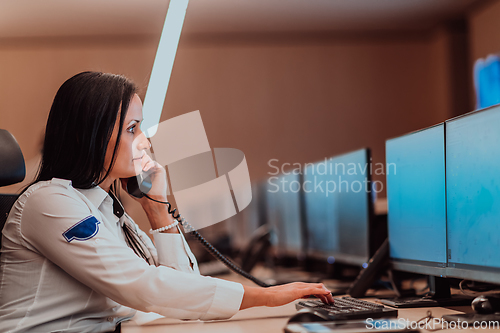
(284, 214)
(473, 191)
(243, 225)
(338, 208)
(416, 197)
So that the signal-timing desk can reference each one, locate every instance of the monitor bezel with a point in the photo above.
(472, 113)
(419, 267)
(474, 273)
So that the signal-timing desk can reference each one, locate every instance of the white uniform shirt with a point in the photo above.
(60, 272)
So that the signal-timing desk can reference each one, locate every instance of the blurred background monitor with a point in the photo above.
(243, 225)
(284, 214)
(339, 208)
(473, 190)
(416, 194)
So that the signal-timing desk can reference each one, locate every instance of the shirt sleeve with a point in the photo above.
(56, 223)
(171, 249)
(174, 252)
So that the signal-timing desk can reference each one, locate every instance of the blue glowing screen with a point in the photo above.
(283, 211)
(416, 196)
(473, 188)
(336, 196)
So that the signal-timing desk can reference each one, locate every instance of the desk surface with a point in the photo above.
(272, 320)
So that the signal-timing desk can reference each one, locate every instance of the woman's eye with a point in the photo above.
(131, 129)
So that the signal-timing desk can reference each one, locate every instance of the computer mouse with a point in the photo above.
(486, 304)
(307, 316)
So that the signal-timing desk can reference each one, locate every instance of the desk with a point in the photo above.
(271, 320)
(259, 319)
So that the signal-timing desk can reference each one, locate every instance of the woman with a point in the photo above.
(72, 261)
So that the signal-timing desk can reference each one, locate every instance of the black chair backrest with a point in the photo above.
(12, 171)
(6, 202)
(12, 168)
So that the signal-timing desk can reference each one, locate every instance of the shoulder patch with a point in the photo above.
(83, 230)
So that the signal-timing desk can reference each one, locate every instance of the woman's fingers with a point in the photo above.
(320, 291)
(280, 295)
(327, 299)
(323, 299)
(147, 162)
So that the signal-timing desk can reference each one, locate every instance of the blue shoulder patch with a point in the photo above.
(83, 230)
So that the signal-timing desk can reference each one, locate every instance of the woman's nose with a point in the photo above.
(143, 142)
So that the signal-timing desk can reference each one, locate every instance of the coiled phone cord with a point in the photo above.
(210, 248)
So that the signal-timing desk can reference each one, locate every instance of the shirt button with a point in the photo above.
(110, 319)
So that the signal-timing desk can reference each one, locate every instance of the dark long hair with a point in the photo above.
(81, 121)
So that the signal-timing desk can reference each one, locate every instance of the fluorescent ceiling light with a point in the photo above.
(162, 67)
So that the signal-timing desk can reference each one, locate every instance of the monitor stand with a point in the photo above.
(439, 295)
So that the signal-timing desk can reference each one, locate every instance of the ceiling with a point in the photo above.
(33, 18)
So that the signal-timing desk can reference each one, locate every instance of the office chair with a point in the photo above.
(12, 171)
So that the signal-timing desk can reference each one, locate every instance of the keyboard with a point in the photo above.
(347, 308)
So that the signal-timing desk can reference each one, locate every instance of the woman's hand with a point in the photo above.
(157, 213)
(284, 294)
(158, 177)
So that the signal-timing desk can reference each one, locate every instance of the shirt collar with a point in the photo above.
(96, 195)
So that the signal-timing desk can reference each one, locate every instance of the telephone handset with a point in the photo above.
(140, 185)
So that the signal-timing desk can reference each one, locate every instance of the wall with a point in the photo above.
(484, 30)
(295, 100)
